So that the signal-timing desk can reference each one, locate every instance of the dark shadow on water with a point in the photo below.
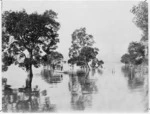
(25, 99)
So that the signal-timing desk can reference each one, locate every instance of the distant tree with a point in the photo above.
(100, 63)
(141, 18)
(52, 59)
(125, 59)
(26, 37)
(55, 58)
(136, 52)
(97, 63)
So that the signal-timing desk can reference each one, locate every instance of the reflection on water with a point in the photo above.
(25, 100)
(81, 88)
(111, 89)
(50, 77)
(138, 82)
(134, 81)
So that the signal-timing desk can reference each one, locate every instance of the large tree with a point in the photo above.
(82, 51)
(80, 39)
(27, 37)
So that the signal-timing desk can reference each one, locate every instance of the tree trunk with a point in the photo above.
(29, 78)
(30, 73)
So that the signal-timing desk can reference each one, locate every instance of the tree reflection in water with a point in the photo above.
(25, 100)
(51, 77)
(81, 88)
(134, 80)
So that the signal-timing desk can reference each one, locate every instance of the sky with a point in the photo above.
(110, 23)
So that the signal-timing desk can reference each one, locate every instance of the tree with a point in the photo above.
(27, 37)
(125, 59)
(81, 50)
(80, 39)
(97, 63)
(86, 55)
(55, 58)
(136, 52)
(141, 18)
(52, 59)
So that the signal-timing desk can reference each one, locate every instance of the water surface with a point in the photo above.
(111, 89)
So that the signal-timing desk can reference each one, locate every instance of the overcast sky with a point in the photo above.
(110, 22)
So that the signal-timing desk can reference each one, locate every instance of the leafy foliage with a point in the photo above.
(136, 51)
(135, 54)
(52, 59)
(82, 51)
(80, 39)
(141, 18)
(97, 63)
(125, 58)
(73, 60)
(27, 36)
(88, 53)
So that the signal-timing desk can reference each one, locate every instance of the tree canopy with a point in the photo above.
(96, 63)
(80, 39)
(28, 37)
(52, 59)
(141, 18)
(138, 51)
(82, 51)
(125, 59)
(135, 54)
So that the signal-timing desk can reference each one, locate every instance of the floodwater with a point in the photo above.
(111, 89)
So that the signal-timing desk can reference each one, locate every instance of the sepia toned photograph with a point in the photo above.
(74, 56)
